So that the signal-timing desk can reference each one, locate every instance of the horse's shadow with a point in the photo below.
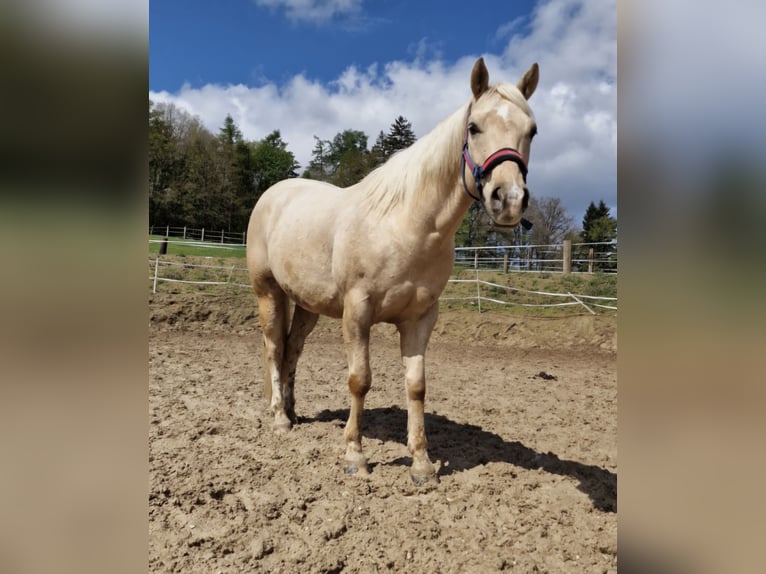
(466, 446)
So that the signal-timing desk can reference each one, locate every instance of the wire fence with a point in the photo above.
(566, 257)
(218, 236)
(474, 292)
(514, 296)
(557, 258)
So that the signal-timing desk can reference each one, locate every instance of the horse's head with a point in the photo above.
(498, 134)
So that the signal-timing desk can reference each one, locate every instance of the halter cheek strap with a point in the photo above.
(480, 171)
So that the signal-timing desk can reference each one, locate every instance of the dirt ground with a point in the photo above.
(521, 415)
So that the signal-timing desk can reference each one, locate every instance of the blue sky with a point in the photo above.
(316, 67)
(240, 41)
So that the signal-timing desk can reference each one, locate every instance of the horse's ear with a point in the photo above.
(528, 83)
(479, 78)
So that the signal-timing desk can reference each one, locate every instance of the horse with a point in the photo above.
(382, 250)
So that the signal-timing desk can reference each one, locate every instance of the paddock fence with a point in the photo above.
(217, 236)
(565, 257)
(473, 292)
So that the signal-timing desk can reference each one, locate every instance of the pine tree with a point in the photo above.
(597, 225)
(400, 136)
(319, 166)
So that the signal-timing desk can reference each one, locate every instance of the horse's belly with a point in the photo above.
(309, 286)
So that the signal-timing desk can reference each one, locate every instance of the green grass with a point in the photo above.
(195, 250)
(595, 284)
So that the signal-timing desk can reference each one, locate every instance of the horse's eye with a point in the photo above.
(473, 129)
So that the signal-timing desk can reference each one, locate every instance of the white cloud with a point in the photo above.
(573, 157)
(316, 11)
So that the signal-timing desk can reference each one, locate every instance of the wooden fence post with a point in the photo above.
(505, 262)
(221, 236)
(184, 232)
(203, 234)
(567, 255)
(476, 259)
(167, 231)
(590, 260)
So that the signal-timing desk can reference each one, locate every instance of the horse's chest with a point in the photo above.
(412, 296)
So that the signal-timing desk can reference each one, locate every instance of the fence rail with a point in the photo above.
(566, 257)
(232, 276)
(199, 234)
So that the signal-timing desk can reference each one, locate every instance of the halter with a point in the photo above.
(481, 171)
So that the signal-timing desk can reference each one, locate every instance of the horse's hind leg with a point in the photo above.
(303, 323)
(273, 307)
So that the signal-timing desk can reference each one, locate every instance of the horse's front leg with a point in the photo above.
(357, 321)
(414, 337)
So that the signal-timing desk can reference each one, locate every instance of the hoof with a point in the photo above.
(357, 470)
(356, 464)
(282, 424)
(422, 480)
(423, 472)
(282, 428)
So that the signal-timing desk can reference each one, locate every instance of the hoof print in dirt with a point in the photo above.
(546, 377)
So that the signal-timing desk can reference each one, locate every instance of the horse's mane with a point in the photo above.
(416, 168)
(413, 171)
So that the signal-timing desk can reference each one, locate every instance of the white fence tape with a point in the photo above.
(577, 299)
(519, 258)
(201, 244)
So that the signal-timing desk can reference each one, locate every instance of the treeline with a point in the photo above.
(200, 179)
(345, 159)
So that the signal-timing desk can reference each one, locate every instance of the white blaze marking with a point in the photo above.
(504, 111)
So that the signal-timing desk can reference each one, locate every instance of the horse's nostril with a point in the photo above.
(496, 194)
(525, 199)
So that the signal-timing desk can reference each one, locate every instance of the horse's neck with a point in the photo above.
(434, 198)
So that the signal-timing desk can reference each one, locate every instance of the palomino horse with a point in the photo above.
(382, 250)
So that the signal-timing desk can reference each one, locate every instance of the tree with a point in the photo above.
(200, 179)
(343, 161)
(271, 162)
(470, 228)
(178, 146)
(550, 221)
(598, 225)
(319, 166)
(236, 171)
(349, 157)
(400, 136)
